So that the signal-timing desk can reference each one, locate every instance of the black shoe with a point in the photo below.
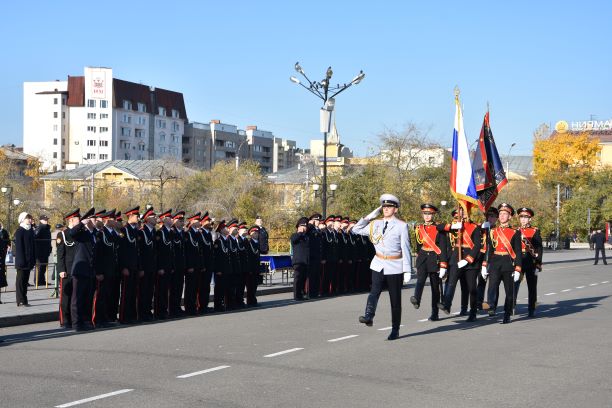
(393, 335)
(506, 319)
(82, 328)
(531, 313)
(415, 302)
(66, 326)
(463, 312)
(491, 313)
(479, 306)
(366, 321)
(443, 308)
(472, 318)
(433, 318)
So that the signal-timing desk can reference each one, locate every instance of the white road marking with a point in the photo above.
(565, 290)
(389, 328)
(97, 397)
(549, 294)
(284, 352)
(605, 282)
(455, 313)
(343, 338)
(210, 370)
(580, 287)
(594, 284)
(422, 320)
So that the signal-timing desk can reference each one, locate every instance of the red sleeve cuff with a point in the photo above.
(469, 259)
(484, 263)
(443, 265)
(517, 268)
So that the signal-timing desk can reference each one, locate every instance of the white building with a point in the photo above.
(101, 118)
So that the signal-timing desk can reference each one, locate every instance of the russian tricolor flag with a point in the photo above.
(462, 183)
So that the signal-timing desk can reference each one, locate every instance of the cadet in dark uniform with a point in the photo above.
(165, 265)
(193, 264)
(340, 273)
(531, 264)
(432, 259)
(243, 254)
(83, 234)
(316, 251)
(222, 268)
(504, 261)
(148, 263)
(263, 236)
(206, 241)
(492, 215)
(234, 279)
(129, 267)
(65, 257)
(105, 267)
(464, 263)
(353, 255)
(599, 242)
(300, 257)
(254, 266)
(330, 250)
(177, 277)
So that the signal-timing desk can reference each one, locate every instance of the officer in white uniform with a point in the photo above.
(392, 260)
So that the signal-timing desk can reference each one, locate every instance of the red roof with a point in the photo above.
(76, 91)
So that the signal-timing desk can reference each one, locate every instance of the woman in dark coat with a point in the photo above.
(25, 257)
(300, 258)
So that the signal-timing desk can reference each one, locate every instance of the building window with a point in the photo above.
(63, 155)
(258, 148)
(141, 147)
(55, 115)
(104, 116)
(63, 142)
(63, 115)
(104, 143)
(162, 149)
(174, 138)
(175, 126)
(63, 103)
(55, 127)
(230, 144)
(55, 142)
(126, 132)
(91, 155)
(142, 107)
(55, 155)
(103, 129)
(127, 105)
(126, 118)
(175, 113)
(162, 137)
(91, 142)
(139, 133)
(91, 115)
(185, 150)
(161, 123)
(103, 156)
(91, 103)
(91, 129)
(219, 143)
(161, 111)
(230, 155)
(103, 104)
(55, 101)
(142, 120)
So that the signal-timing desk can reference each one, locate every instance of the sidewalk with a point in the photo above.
(44, 308)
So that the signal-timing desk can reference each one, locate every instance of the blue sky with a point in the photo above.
(533, 61)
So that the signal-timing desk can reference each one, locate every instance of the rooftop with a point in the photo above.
(140, 169)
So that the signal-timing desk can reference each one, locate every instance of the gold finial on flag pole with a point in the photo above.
(487, 106)
(457, 91)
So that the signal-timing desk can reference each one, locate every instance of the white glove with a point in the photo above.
(535, 271)
(373, 214)
(486, 224)
(407, 276)
(462, 263)
(442, 273)
(517, 276)
(483, 272)
(456, 225)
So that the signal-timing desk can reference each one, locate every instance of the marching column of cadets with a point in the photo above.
(141, 269)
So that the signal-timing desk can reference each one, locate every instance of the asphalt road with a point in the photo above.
(316, 354)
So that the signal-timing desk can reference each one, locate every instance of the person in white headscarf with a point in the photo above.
(25, 257)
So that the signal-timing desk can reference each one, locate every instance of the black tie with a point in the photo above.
(385, 227)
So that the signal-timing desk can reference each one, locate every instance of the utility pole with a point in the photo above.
(558, 211)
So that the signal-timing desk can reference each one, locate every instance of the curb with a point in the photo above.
(44, 317)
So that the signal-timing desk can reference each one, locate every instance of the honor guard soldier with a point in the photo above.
(129, 267)
(338, 282)
(330, 251)
(148, 263)
(165, 265)
(492, 215)
(177, 277)
(66, 249)
(353, 254)
(206, 242)
(464, 263)
(222, 267)
(316, 252)
(254, 269)
(82, 272)
(392, 260)
(431, 261)
(504, 261)
(531, 248)
(193, 263)
(241, 240)
(105, 265)
(300, 257)
(236, 275)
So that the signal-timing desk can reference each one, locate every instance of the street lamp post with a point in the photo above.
(508, 159)
(322, 90)
(238, 153)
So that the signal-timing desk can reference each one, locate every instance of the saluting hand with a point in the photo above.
(373, 214)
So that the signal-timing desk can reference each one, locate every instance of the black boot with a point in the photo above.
(463, 312)
(443, 308)
(472, 317)
(531, 313)
(415, 302)
(393, 335)
(368, 321)
(506, 319)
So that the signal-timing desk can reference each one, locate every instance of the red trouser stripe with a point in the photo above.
(93, 317)
(61, 315)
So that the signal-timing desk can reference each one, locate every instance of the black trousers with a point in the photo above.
(220, 292)
(191, 292)
(41, 272)
(300, 272)
(423, 272)
(529, 273)
(394, 284)
(145, 294)
(482, 285)
(328, 273)
(501, 269)
(251, 287)
(65, 289)
(204, 289)
(114, 285)
(603, 255)
(160, 294)
(128, 297)
(21, 285)
(467, 280)
(81, 303)
(177, 279)
(100, 301)
(314, 278)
